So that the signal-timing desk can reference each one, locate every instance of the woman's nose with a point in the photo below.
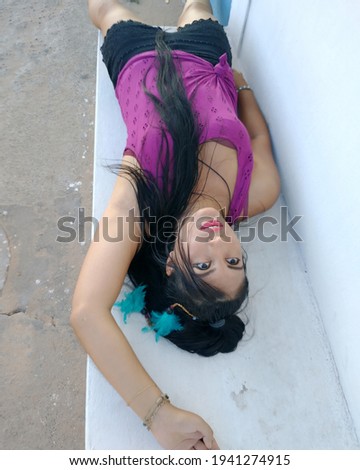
(216, 238)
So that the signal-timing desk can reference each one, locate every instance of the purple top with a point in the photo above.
(211, 90)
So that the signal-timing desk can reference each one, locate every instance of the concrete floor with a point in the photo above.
(47, 83)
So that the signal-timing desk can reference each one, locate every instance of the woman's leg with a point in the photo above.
(104, 13)
(195, 10)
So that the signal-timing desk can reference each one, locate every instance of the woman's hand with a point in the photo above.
(177, 429)
(238, 78)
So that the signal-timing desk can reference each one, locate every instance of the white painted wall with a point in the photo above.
(302, 59)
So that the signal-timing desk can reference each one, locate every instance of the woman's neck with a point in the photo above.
(218, 169)
(203, 201)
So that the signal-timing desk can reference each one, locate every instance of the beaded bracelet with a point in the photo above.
(244, 87)
(163, 398)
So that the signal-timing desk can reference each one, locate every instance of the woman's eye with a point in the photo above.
(202, 266)
(233, 261)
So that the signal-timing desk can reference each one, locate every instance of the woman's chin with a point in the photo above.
(207, 212)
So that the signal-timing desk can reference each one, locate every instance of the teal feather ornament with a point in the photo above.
(163, 324)
(133, 301)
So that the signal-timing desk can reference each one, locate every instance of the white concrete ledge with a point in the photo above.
(278, 390)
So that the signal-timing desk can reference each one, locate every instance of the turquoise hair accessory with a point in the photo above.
(133, 302)
(163, 323)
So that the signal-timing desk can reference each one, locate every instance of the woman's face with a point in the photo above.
(214, 250)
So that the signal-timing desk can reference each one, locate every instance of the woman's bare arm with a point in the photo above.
(98, 286)
(265, 180)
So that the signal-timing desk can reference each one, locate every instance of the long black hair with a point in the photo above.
(169, 203)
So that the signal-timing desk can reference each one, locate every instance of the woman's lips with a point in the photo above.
(214, 225)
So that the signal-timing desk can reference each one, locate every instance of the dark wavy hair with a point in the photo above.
(169, 204)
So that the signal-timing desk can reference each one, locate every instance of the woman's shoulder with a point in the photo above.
(124, 193)
(131, 160)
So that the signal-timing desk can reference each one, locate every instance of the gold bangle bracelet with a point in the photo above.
(163, 398)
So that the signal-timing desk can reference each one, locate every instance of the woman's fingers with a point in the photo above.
(207, 435)
(199, 445)
(215, 445)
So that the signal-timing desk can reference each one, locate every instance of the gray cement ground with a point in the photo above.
(47, 83)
